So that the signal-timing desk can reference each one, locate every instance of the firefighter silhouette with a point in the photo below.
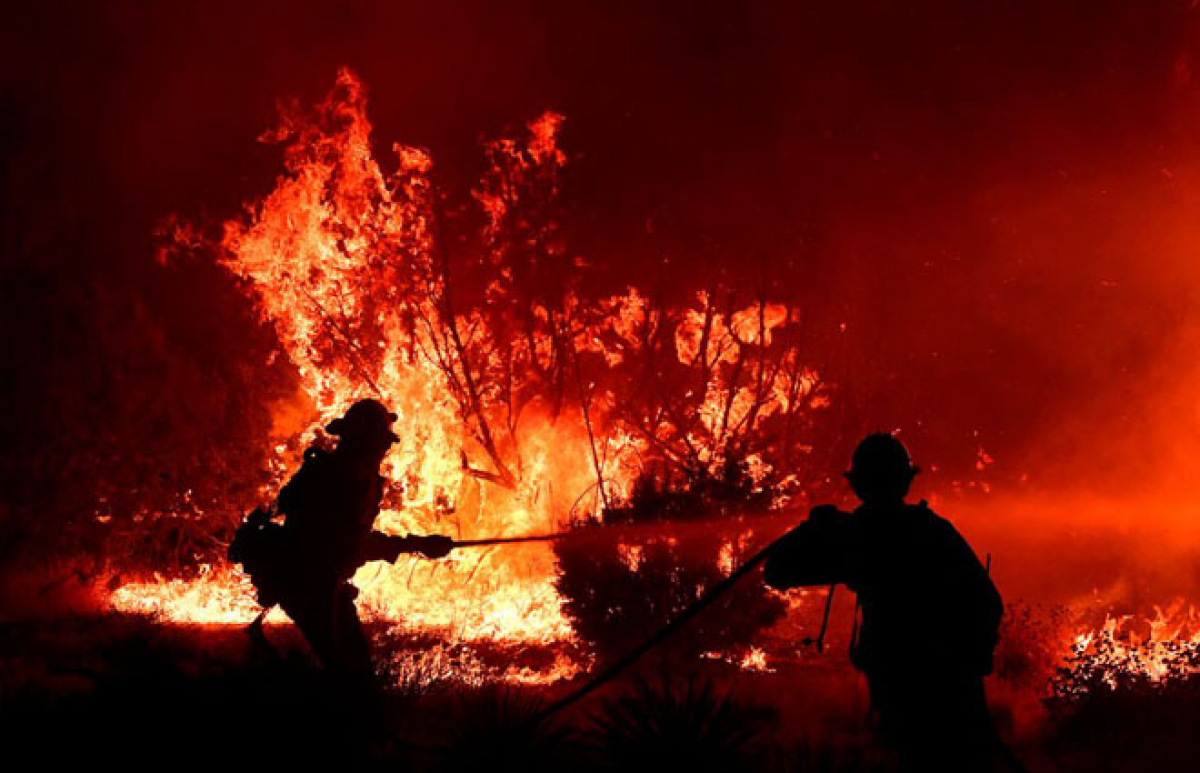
(329, 506)
(929, 612)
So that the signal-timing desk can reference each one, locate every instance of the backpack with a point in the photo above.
(260, 546)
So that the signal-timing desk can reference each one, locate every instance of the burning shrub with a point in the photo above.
(1131, 655)
(618, 593)
(1107, 714)
(732, 491)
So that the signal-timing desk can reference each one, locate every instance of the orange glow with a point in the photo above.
(343, 260)
(346, 260)
(1159, 648)
(340, 261)
(216, 596)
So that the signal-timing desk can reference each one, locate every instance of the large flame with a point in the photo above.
(504, 428)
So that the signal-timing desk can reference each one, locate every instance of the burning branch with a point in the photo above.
(479, 350)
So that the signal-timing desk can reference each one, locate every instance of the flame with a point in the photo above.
(1157, 649)
(494, 368)
(755, 659)
(340, 260)
(215, 596)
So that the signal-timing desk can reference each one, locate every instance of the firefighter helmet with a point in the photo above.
(365, 418)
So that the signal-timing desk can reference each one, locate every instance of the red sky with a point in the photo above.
(998, 198)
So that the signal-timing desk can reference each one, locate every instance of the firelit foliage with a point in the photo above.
(145, 430)
(1030, 644)
(703, 494)
(1109, 665)
(616, 594)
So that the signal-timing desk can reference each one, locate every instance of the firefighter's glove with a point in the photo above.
(823, 514)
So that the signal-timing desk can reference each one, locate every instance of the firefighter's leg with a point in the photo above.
(313, 613)
(255, 629)
(979, 737)
(910, 721)
(946, 726)
(353, 648)
(361, 696)
(260, 645)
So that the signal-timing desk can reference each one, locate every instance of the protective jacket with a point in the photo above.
(329, 507)
(927, 603)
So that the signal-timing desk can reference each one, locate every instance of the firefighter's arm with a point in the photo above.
(389, 547)
(810, 554)
(780, 569)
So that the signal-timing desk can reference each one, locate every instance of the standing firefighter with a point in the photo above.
(329, 509)
(929, 610)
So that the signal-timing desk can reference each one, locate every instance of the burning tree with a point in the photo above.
(720, 395)
(721, 402)
(345, 263)
(525, 404)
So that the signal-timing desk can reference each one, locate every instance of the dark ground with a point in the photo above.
(132, 694)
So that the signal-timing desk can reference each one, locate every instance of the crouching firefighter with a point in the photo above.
(927, 614)
(305, 564)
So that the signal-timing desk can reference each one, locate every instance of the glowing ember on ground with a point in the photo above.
(495, 608)
(756, 660)
(215, 596)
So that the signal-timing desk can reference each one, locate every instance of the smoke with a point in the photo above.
(988, 214)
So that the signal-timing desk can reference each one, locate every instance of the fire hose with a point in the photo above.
(1002, 749)
(684, 617)
(472, 543)
(680, 620)
(619, 665)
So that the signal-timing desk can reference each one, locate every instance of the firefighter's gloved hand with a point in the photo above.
(823, 514)
(434, 545)
(259, 518)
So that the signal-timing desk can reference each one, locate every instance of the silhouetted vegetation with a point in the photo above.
(616, 595)
(501, 728)
(1125, 724)
(679, 725)
(129, 692)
